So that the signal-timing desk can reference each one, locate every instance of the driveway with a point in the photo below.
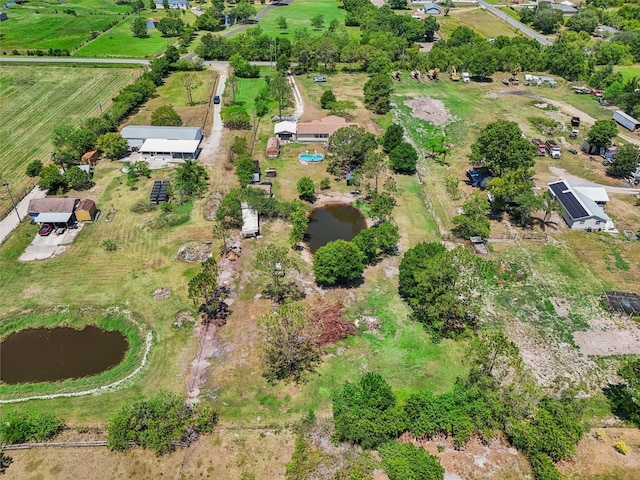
(212, 143)
(50, 246)
(10, 222)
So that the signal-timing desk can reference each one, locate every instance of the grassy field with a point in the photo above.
(480, 20)
(34, 100)
(630, 71)
(120, 42)
(299, 15)
(41, 24)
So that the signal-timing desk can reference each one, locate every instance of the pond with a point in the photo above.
(333, 222)
(52, 354)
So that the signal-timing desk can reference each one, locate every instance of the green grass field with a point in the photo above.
(120, 42)
(41, 24)
(299, 14)
(629, 71)
(34, 100)
(481, 21)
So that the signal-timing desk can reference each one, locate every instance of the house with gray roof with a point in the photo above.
(579, 211)
(136, 135)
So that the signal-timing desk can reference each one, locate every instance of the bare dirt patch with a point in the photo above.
(162, 293)
(194, 252)
(617, 342)
(429, 109)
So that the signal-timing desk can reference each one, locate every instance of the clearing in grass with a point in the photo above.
(35, 100)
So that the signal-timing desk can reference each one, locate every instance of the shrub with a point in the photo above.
(31, 426)
(403, 158)
(325, 183)
(338, 262)
(622, 447)
(403, 461)
(543, 468)
(109, 245)
(306, 188)
(327, 99)
(34, 168)
(142, 207)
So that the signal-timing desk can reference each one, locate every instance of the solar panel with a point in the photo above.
(569, 201)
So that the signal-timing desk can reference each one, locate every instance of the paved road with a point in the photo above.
(514, 23)
(129, 61)
(10, 222)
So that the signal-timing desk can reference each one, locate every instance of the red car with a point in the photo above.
(45, 229)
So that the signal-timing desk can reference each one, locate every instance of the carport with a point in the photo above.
(56, 211)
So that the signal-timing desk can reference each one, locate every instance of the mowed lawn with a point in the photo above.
(630, 71)
(481, 21)
(299, 14)
(35, 99)
(120, 42)
(43, 25)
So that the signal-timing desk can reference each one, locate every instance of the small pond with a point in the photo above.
(51, 354)
(333, 222)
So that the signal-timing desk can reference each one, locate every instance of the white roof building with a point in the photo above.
(250, 221)
(169, 150)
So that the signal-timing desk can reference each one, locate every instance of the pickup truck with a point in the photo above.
(553, 148)
(542, 149)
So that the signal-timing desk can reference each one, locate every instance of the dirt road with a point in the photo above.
(212, 143)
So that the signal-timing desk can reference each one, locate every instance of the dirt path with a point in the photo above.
(210, 149)
(10, 222)
(299, 111)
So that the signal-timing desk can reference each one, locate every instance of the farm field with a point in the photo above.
(42, 25)
(481, 21)
(299, 14)
(120, 42)
(35, 99)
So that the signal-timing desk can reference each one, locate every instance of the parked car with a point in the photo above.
(45, 229)
(573, 150)
(216, 99)
(319, 78)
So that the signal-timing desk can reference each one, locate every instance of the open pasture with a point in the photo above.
(35, 99)
(299, 15)
(42, 24)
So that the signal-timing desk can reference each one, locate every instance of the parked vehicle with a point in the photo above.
(574, 133)
(575, 121)
(553, 148)
(542, 149)
(216, 99)
(479, 176)
(573, 150)
(466, 78)
(319, 78)
(45, 229)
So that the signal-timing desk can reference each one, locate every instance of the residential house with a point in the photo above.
(579, 211)
(319, 131)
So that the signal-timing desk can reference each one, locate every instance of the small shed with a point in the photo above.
(285, 131)
(86, 210)
(273, 148)
(271, 172)
(256, 171)
(89, 158)
(250, 221)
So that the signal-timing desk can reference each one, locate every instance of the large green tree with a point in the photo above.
(274, 261)
(513, 192)
(139, 28)
(288, 352)
(601, 133)
(404, 461)
(165, 115)
(190, 179)
(113, 145)
(403, 158)
(348, 147)
(377, 93)
(393, 136)
(338, 262)
(502, 148)
(626, 161)
(170, 26)
(306, 188)
(473, 221)
(431, 26)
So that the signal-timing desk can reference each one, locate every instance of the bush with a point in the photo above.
(109, 245)
(306, 188)
(34, 168)
(327, 99)
(403, 158)
(32, 426)
(376, 241)
(403, 461)
(338, 262)
(325, 183)
(543, 468)
(622, 447)
(142, 207)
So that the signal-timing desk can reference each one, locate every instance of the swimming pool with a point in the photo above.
(311, 157)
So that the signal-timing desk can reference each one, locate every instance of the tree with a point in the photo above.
(348, 147)
(113, 145)
(70, 144)
(376, 241)
(392, 137)
(404, 460)
(584, 21)
(244, 169)
(190, 82)
(243, 11)
(513, 192)
(282, 23)
(172, 54)
(139, 28)
(306, 188)
(602, 132)
(281, 90)
(165, 116)
(152, 4)
(235, 117)
(34, 168)
(380, 206)
(377, 91)
(473, 222)
(78, 179)
(502, 148)
(398, 4)
(431, 26)
(288, 352)
(548, 204)
(366, 412)
(190, 179)
(165, 5)
(170, 26)
(327, 52)
(403, 158)
(274, 261)
(203, 290)
(317, 21)
(327, 98)
(300, 221)
(373, 166)
(211, 20)
(338, 262)
(51, 179)
(242, 68)
(626, 160)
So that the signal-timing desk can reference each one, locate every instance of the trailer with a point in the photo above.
(553, 148)
(627, 121)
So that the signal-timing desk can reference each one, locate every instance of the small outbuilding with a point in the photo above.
(89, 158)
(56, 211)
(86, 210)
(273, 148)
(250, 221)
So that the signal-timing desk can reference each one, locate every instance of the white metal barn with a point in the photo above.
(174, 151)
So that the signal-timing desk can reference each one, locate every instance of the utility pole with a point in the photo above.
(6, 184)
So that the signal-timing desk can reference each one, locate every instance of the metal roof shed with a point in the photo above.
(250, 221)
(627, 121)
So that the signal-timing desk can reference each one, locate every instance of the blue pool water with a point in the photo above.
(311, 157)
